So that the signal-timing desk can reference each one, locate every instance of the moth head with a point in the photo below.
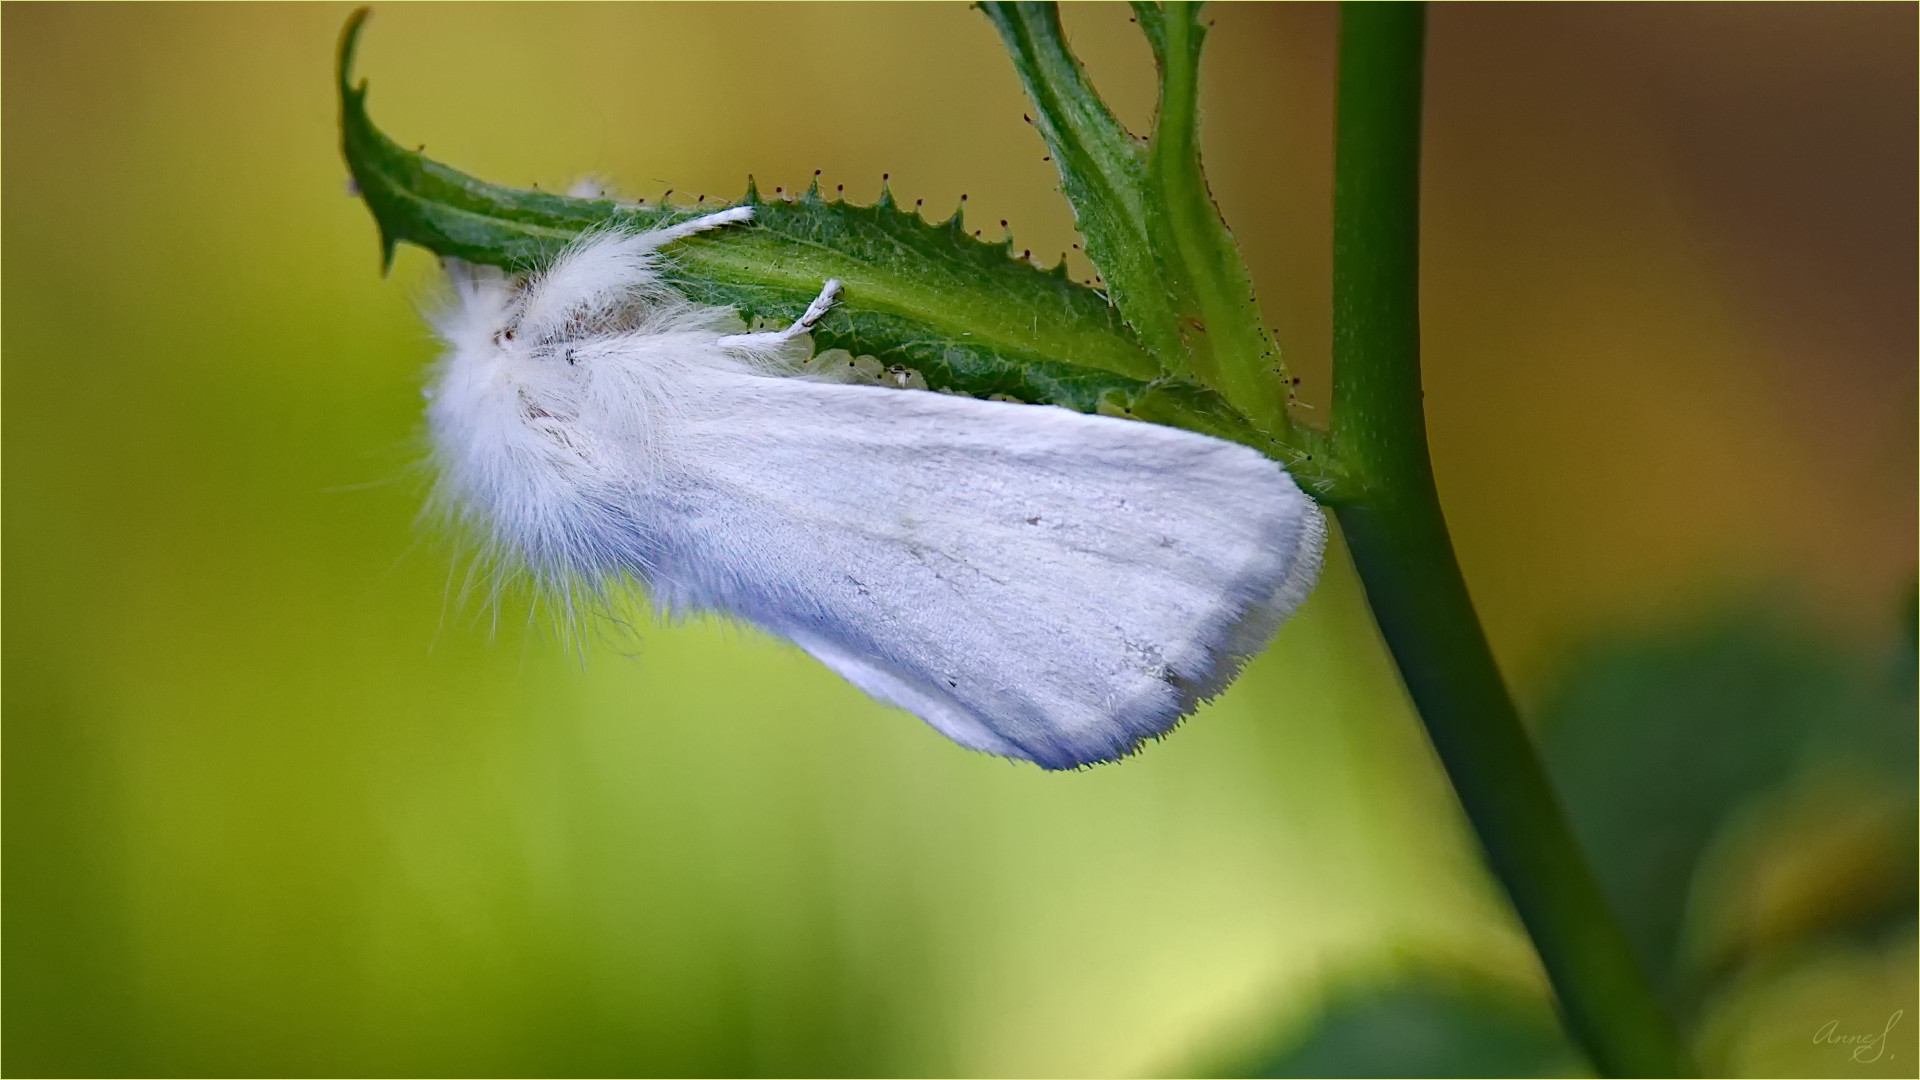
(505, 376)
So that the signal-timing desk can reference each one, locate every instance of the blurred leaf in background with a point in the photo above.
(1746, 791)
(1424, 1020)
(1776, 763)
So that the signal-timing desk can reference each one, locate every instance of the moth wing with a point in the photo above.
(1033, 582)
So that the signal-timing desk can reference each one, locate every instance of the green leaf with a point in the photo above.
(1102, 171)
(1150, 224)
(902, 278)
(1232, 350)
(965, 314)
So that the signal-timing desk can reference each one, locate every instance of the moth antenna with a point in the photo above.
(730, 216)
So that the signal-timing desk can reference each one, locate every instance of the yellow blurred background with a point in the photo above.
(278, 800)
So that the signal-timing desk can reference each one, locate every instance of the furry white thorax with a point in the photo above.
(1032, 581)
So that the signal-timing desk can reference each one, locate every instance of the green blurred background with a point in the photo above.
(277, 799)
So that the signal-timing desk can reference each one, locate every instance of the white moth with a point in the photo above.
(1033, 582)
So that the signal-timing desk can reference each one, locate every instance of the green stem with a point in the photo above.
(1405, 558)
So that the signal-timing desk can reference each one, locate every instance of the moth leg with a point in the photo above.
(828, 293)
(820, 306)
(662, 237)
